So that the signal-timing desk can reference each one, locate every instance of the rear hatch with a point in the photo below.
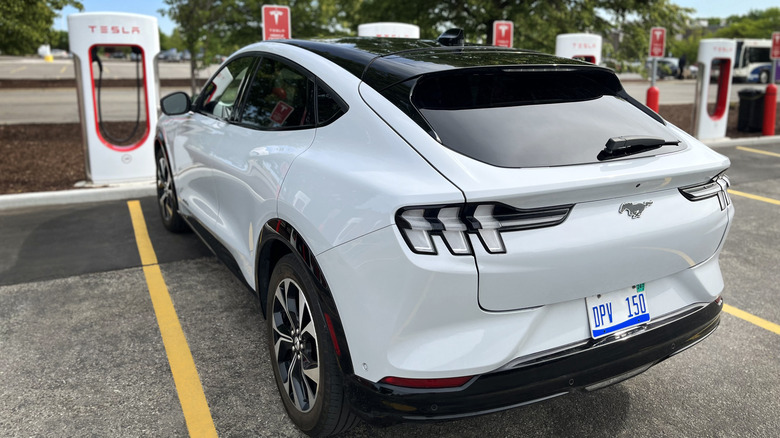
(573, 188)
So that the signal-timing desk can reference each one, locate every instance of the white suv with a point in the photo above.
(437, 230)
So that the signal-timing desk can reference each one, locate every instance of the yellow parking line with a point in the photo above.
(754, 197)
(764, 324)
(185, 375)
(17, 70)
(758, 151)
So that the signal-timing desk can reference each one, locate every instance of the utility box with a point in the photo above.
(116, 150)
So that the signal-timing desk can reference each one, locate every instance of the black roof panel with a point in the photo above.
(355, 54)
(382, 62)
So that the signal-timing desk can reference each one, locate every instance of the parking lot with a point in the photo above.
(90, 345)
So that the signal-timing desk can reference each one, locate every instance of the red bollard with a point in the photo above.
(770, 110)
(652, 98)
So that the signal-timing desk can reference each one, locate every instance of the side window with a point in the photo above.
(219, 97)
(328, 108)
(279, 97)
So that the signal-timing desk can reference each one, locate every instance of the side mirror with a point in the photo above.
(175, 104)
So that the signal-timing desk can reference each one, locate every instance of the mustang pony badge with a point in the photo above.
(634, 210)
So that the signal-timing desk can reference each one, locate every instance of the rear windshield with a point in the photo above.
(522, 118)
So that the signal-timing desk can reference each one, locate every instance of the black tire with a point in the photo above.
(302, 356)
(166, 195)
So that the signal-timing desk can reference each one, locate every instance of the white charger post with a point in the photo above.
(715, 56)
(584, 46)
(115, 155)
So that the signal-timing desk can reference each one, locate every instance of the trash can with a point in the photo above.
(751, 110)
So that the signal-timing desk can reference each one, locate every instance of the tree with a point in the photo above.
(755, 24)
(26, 24)
(536, 22)
(216, 27)
(199, 23)
(633, 25)
(688, 45)
(310, 19)
(164, 41)
(59, 39)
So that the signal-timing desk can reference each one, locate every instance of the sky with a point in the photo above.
(144, 7)
(704, 9)
(725, 8)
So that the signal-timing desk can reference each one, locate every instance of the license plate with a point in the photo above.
(616, 311)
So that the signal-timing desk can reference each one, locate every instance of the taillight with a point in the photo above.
(453, 223)
(449, 382)
(718, 186)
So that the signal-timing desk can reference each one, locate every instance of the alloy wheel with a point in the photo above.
(295, 345)
(164, 188)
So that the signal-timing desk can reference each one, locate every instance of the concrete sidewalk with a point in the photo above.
(78, 196)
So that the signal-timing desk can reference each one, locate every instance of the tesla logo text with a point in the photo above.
(634, 210)
(583, 45)
(115, 29)
(276, 14)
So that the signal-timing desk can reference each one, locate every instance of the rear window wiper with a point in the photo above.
(617, 147)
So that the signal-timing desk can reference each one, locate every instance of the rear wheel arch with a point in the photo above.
(159, 142)
(270, 250)
(278, 239)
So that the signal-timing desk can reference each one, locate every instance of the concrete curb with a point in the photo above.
(78, 196)
(745, 141)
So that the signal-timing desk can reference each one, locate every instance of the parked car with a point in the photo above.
(60, 54)
(170, 55)
(437, 231)
(667, 67)
(693, 71)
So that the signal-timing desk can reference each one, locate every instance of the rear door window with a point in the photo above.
(329, 105)
(279, 97)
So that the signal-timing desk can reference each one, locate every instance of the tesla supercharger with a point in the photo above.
(389, 30)
(716, 63)
(117, 149)
(584, 46)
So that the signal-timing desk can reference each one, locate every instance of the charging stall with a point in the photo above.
(389, 30)
(716, 65)
(583, 46)
(118, 127)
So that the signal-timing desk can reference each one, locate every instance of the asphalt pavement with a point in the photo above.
(82, 351)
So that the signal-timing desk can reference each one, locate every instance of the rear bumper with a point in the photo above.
(586, 367)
